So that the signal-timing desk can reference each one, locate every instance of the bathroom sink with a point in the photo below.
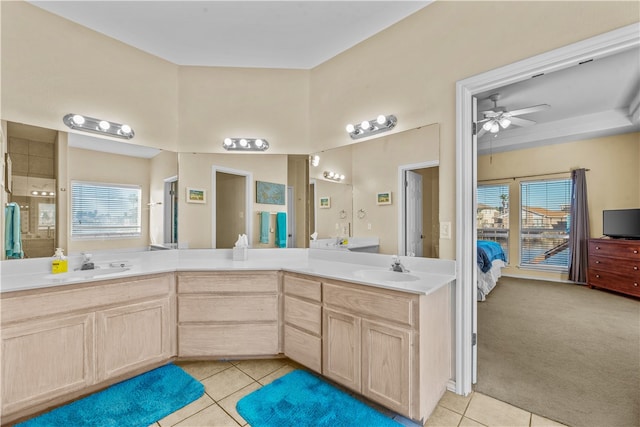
(385, 276)
(79, 274)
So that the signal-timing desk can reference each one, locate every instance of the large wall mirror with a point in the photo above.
(47, 163)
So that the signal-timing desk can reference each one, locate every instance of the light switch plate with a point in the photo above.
(445, 230)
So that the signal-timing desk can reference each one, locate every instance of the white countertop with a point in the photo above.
(362, 268)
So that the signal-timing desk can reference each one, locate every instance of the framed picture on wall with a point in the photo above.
(196, 195)
(325, 202)
(383, 198)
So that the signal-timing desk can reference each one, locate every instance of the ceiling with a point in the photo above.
(263, 34)
(597, 98)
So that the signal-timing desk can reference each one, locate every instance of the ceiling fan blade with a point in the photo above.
(484, 120)
(481, 132)
(528, 110)
(490, 113)
(521, 122)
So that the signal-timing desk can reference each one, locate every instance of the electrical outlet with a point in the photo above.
(445, 230)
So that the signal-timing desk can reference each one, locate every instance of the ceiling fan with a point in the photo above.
(499, 117)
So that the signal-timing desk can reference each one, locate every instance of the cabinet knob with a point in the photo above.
(597, 262)
(635, 284)
(597, 247)
(635, 251)
(597, 276)
(635, 267)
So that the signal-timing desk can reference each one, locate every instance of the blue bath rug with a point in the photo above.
(139, 401)
(301, 399)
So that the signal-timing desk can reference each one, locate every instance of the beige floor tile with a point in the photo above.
(226, 383)
(187, 411)
(468, 422)
(455, 402)
(257, 369)
(276, 374)
(538, 421)
(443, 417)
(203, 369)
(213, 416)
(229, 402)
(493, 412)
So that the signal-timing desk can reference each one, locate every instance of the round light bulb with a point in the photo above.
(243, 142)
(35, 193)
(381, 119)
(126, 129)
(341, 177)
(350, 128)
(78, 119)
(487, 126)
(505, 122)
(331, 174)
(365, 125)
(51, 193)
(495, 128)
(259, 143)
(227, 142)
(104, 125)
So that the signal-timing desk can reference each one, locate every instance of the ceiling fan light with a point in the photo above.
(495, 128)
(505, 122)
(487, 125)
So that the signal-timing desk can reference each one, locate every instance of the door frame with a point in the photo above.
(402, 206)
(606, 44)
(248, 192)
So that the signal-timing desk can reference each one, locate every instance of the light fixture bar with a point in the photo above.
(367, 128)
(245, 144)
(104, 127)
(333, 176)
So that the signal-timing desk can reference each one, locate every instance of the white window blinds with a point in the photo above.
(544, 223)
(105, 210)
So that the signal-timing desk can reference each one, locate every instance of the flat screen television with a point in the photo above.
(621, 223)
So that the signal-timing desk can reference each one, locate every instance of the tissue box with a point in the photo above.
(240, 254)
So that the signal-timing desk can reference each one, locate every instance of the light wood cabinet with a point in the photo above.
(228, 314)
(342, 349)
(303, 321)
(59, 341)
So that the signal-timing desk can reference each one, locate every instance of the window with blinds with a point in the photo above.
(492, 215)
(545, 216)
(105, 210)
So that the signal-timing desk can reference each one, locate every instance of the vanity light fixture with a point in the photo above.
(366, 128)
(333, 176)
(314, 160)
(245, 144)
(104, 127)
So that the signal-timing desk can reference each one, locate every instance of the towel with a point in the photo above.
(12, 237)
(281, 230)
(264, 227)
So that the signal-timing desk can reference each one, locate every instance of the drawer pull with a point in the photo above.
(597, 276)
(597, 262)
(635, 267)
(635, 284)
(635, 251)
(597, 247)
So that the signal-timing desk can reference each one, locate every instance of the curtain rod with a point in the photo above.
(530, 176)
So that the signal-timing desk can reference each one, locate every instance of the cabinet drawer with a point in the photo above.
(627, 283)
(303, 314)
(246, 339)
(304, 288)
(619, 265)
(615, 248)
(227, 308)
(303, 348)
(392, 306)
(227, 282)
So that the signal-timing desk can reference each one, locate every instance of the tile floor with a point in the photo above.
(227, 382)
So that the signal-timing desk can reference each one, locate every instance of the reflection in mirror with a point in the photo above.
(406, 223)
(43, 158)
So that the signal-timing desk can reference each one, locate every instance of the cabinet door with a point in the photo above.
(341, 348)
(303, 347)
(133, 336)
(46, 359)
(386, 360)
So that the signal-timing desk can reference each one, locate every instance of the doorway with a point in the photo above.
(466, 174)
(231, 206)
(171, 212)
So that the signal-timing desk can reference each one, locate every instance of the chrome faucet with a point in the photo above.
(87, 264)
(396, 265)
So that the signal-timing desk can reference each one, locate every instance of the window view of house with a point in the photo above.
(493, 215)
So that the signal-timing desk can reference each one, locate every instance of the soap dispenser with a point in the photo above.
(59, 262)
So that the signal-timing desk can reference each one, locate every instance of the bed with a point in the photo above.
(491, 261)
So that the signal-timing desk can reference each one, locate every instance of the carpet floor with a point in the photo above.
(563, 351)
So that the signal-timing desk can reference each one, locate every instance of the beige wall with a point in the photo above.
(230, 209)
(329, 223)
(194, 220)
(409, 70)
(613, 180)
(87, 165)
(298, 178)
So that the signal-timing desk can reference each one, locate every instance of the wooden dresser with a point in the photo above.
(614, 264)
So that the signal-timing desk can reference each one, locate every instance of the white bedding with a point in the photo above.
(487, 281)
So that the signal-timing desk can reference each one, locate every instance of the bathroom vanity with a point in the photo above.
(385, 339)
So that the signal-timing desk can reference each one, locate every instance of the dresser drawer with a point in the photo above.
(615, 248)
(392, 306)
(305, 288)
(228, 282)
(303, 314)
(627, 283)
(618, 265)
(227, 308)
